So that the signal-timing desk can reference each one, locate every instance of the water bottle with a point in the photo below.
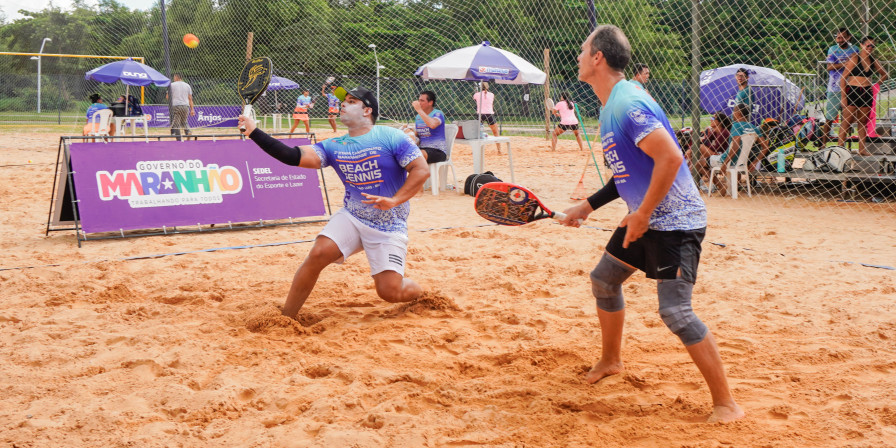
(781, 160)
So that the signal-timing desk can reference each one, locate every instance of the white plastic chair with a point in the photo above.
(104, 118)
(438, 172)
(742, 166)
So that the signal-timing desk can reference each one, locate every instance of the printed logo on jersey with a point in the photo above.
(637, 116)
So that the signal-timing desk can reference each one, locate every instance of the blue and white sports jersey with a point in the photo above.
(837, 55)
(94, 108)
(303, 101)
(332, 101)
(373, 163)
(630, 115)
(431, 138)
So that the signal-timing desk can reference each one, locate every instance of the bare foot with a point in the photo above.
(724, 414)
(602, 370)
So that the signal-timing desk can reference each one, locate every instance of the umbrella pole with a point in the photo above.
(479, 108)
(127, 103)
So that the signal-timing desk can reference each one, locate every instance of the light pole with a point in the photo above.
(44, 42)
(378, 67)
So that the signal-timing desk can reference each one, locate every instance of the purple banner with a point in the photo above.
(206, 116)
(138, 185)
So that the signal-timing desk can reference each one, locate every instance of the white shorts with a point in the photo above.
(385, 251)
(715, 161)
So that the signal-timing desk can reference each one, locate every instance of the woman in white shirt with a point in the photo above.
(566, 110)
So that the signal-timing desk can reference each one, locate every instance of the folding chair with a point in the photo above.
(100, 123)
(438, 172)
(742, 166)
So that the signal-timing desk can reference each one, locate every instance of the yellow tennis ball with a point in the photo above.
(191, 40)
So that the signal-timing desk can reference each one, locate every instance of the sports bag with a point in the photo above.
(475, 181)
(833, 159)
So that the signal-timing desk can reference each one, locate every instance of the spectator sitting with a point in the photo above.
(97, 105)
(429, 128)
(741, 126)
(713, 142)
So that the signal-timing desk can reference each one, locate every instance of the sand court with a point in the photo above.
(190, 350)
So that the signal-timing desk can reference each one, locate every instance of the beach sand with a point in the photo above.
(116, 344)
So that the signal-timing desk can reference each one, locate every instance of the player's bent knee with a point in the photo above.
(606, 284)
(676, 311)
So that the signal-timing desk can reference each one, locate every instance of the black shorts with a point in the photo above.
(568, 127)
(434, 155)
(859, 96)
(489, 119)
(661, 254)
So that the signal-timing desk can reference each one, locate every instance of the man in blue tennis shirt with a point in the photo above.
(662, 232)
(429, 127)
(837, 57)
(381, 169)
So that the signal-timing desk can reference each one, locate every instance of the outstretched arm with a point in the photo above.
(303, 156)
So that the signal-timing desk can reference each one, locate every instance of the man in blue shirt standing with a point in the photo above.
(666, 223)
(836, 60)
(744, 94)
(429, 127)
(381, 169)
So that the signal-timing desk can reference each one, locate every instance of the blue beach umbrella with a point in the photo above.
(718, 89)
(279, 83)
(130, 73)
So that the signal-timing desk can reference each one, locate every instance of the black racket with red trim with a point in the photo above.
(511, 205)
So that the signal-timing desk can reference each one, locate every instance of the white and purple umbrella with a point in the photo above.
(718, 88)
(482, 62)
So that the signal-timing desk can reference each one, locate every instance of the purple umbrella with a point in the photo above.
(718, 89)
(129, 72)
(278, 83)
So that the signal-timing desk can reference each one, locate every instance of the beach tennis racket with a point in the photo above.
(549, 104)
(511, 205)
(253, 81)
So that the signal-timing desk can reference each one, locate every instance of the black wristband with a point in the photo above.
(277, 149)
(603, 196)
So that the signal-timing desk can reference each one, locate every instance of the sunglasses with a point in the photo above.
(869, 46)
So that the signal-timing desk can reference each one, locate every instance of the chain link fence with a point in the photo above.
(682, 42)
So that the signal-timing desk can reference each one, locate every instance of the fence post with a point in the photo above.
(695, 81)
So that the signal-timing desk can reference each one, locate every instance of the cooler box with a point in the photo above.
(468, 129)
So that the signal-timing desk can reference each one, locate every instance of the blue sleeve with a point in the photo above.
(639, 121)
(322, 153)
(403, 148)
(438, 114)
(831, 58)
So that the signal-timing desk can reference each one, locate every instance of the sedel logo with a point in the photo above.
(136, 74)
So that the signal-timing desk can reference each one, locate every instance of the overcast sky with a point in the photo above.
(11, 7)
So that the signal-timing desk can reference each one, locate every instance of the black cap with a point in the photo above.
(366, 96)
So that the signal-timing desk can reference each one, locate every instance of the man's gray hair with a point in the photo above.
(611, 41)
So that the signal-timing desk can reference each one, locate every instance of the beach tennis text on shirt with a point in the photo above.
(161, 183)
(613, 159)
(361, 169)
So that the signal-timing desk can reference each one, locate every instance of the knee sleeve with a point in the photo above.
(606, 283)
(675, 309)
